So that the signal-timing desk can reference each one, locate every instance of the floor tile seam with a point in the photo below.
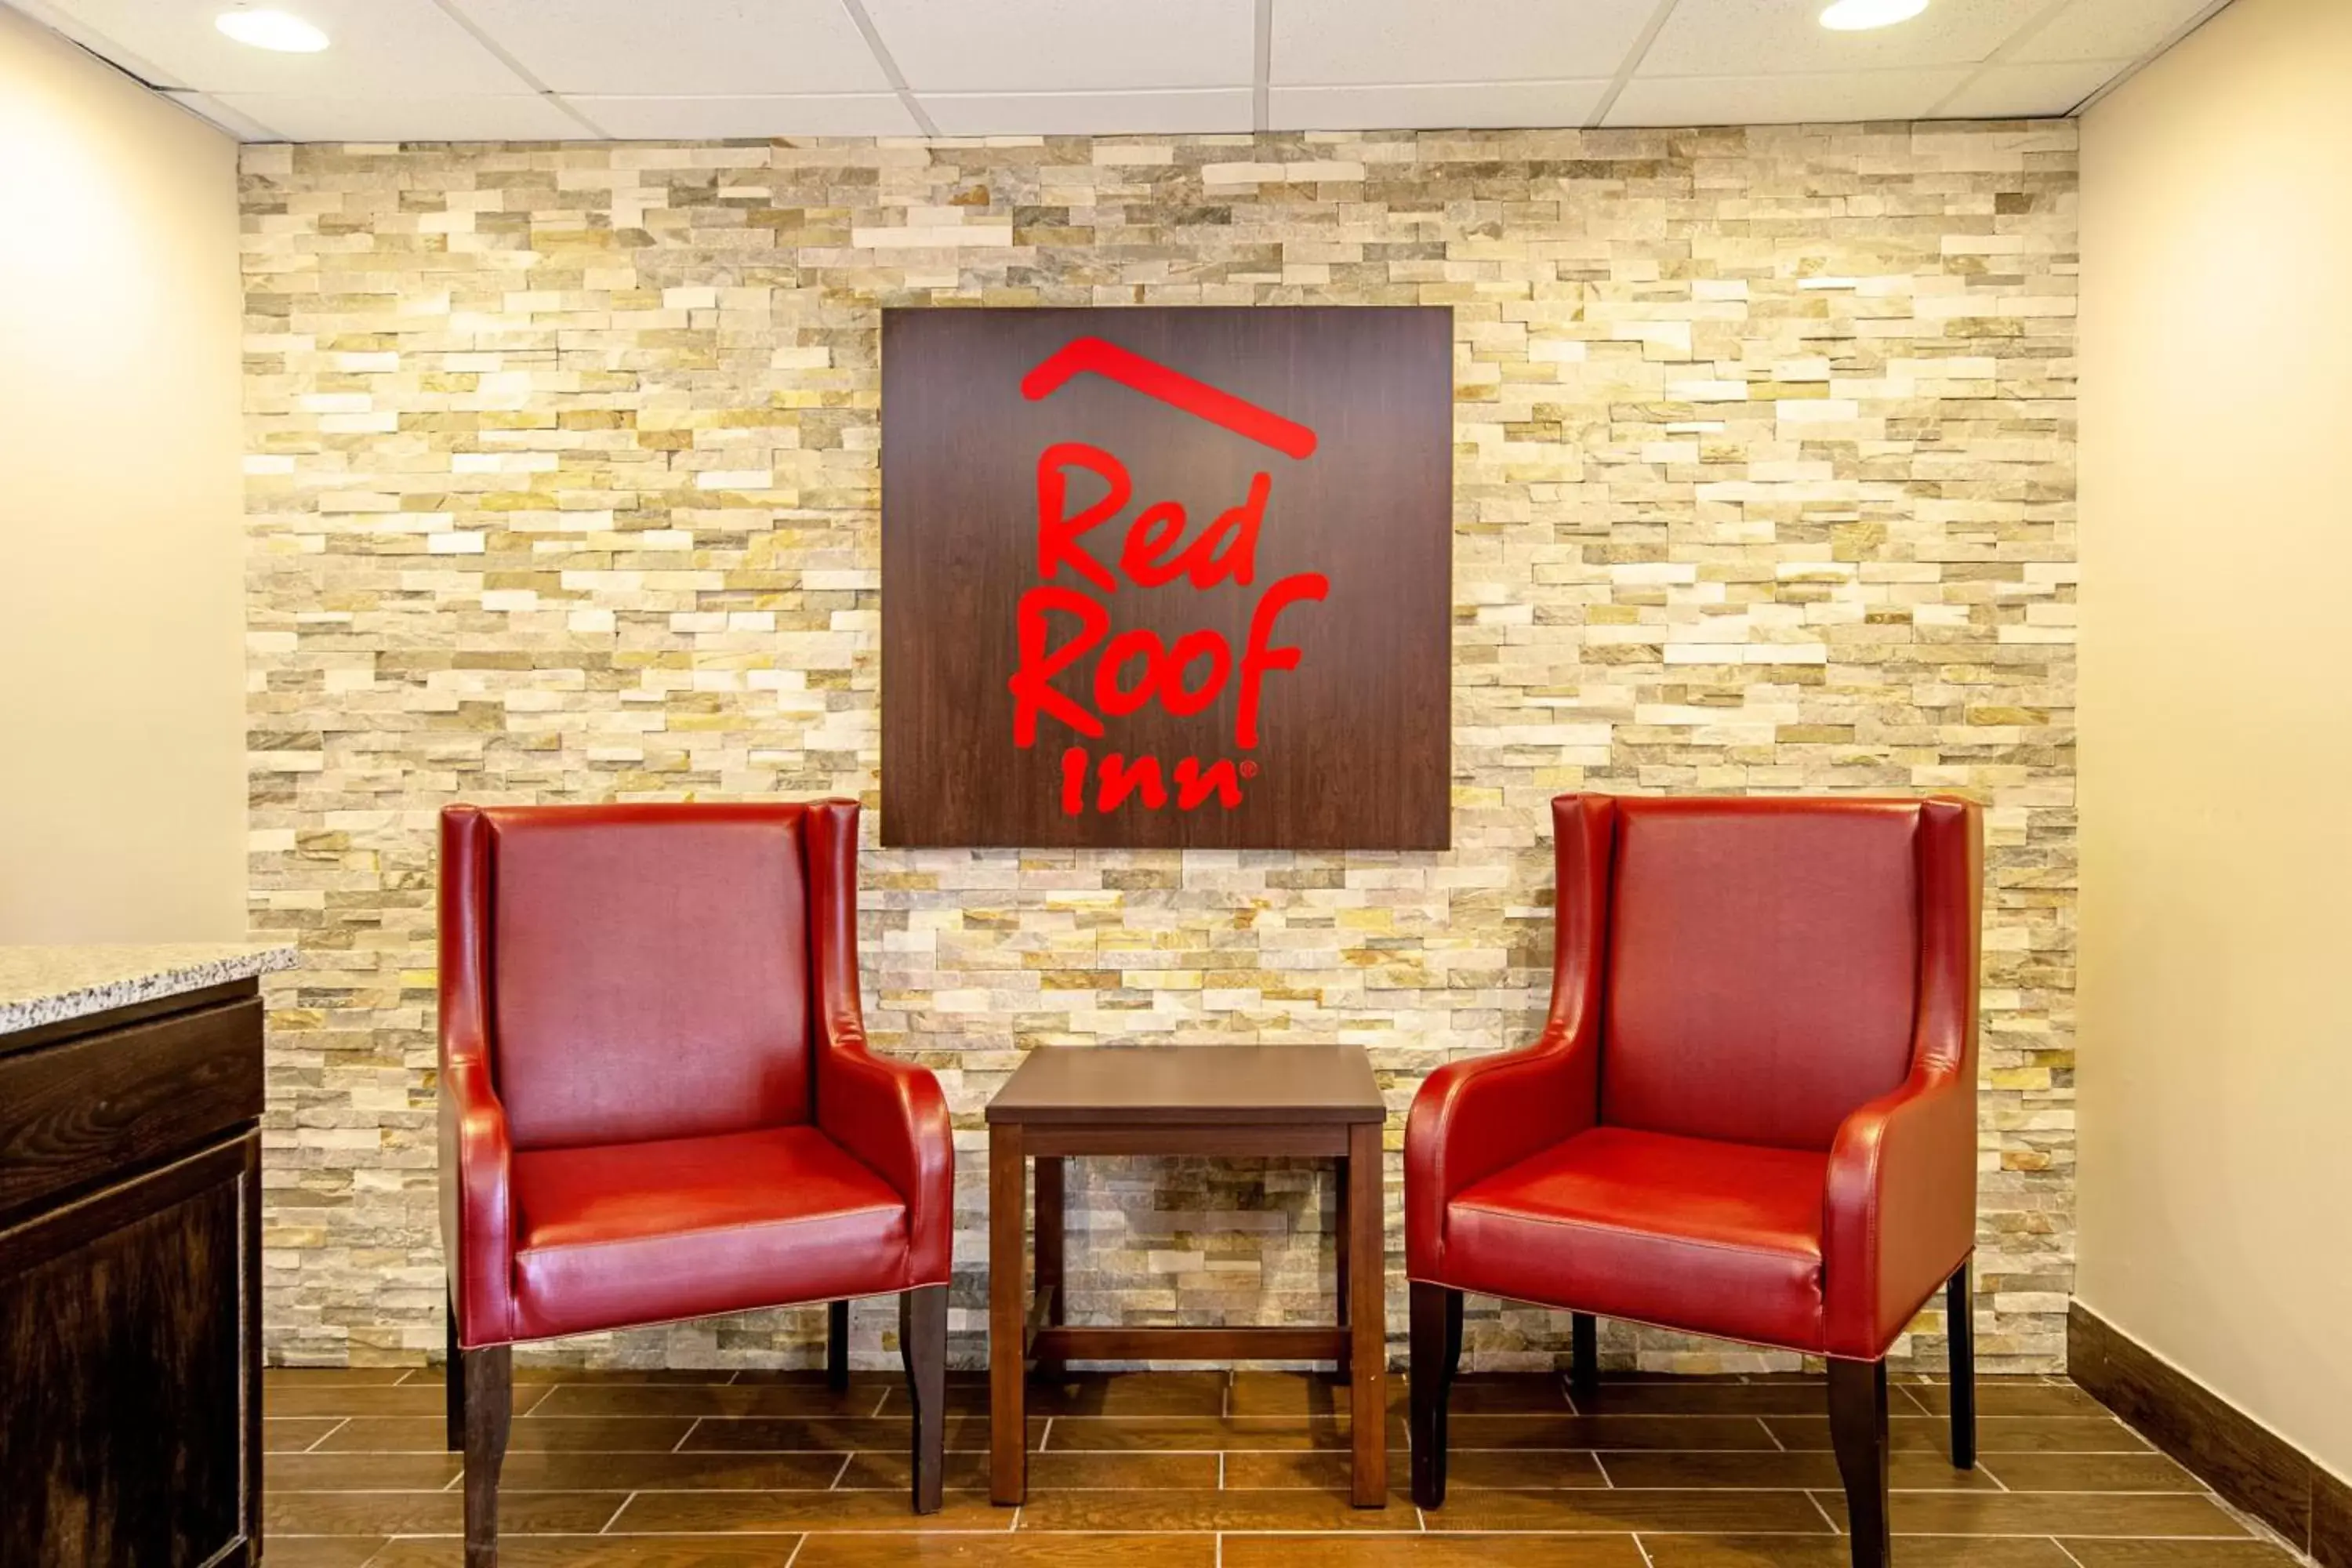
(1509, 1487)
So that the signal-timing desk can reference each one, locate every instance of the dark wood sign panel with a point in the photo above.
(1167, 578)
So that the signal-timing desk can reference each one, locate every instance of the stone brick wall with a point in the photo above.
(563, 487)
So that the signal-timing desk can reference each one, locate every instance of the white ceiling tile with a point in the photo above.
(1782, 99)
(683, 48)
(1208, 109)
(724, 118)
(2023, 92)
(1473, 106)
(378, 47)
(1743, 37)
(1333, 41)
(2108, 29)
(244, 128)
(1066, 45)
(411, 117)
(57, 17)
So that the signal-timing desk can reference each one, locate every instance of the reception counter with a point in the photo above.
(130, 1097)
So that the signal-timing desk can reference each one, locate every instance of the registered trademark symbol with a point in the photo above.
(1249, 769)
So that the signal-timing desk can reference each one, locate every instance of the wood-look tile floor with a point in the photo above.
(1215, 1470)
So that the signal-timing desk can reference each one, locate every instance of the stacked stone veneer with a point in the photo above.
(563, 485)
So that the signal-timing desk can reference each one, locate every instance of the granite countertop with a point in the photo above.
(47, 985)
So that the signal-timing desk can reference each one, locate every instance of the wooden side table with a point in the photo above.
(1235, 1100)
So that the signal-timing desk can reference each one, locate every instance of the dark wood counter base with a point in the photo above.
(131, 1284)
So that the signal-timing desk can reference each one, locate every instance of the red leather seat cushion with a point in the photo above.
(648, 1233)
(1714, 1239)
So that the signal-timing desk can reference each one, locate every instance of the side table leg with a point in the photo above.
(1008, 1348)
(1050, 1237)
(1339, 1235)
(1368, 1403)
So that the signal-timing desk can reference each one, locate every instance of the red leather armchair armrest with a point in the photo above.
(1899, 1215)
(476, 1155)
(476, 1201)
(889, 1114)
(1899, 1212)
(1474, 1118)
(892, 1116)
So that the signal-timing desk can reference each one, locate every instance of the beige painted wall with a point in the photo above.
(2216, 1046)
(121, 745)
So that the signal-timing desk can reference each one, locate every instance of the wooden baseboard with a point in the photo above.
(2239, 1457)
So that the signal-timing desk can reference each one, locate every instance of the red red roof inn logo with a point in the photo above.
(1136, 668)
(1157, 577)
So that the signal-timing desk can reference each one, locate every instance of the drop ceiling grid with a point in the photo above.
(556, 69)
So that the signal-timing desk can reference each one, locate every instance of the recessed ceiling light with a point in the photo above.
(293, 35)
(1858, 16)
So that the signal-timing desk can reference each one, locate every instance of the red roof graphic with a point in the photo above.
(1082, 356)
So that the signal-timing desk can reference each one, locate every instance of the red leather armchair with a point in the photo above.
(658, 1102)
(1751, 1113)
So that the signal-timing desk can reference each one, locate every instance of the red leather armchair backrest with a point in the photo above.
(1762, 965)
(645, 968)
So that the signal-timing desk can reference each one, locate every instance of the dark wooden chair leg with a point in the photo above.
(1858, 1432)
(1453, 1369)
(923, 1347)
(1452, 1339)
(1432, 1338)
(1584, 1354)
(1961, 1342)
(489, 1375)
(454, 1379)
(837, 1346)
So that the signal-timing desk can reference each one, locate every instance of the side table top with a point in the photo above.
(1064, 1085)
